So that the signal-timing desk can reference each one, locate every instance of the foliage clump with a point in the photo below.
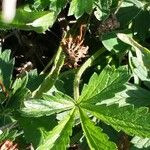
(100, 101)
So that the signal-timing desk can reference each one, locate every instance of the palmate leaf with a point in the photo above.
(133, 121)
(79, 7)
(49, 105)
(105, 85)
(58, 138)
(95, 138)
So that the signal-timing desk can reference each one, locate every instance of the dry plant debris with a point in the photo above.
(8, 145)
(75, 49)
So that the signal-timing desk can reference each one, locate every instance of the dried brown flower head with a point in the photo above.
(105, 26)
(109, 24)
(75, 49)
(8, 145)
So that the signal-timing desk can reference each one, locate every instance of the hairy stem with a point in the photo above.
(87, 64)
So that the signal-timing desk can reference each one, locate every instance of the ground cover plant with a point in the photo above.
(75, 74)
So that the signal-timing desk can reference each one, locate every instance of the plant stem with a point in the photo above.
(87, 64)
(50, 79)
(48, 65)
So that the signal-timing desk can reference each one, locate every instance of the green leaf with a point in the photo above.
(51, 78)
(40, 4)
(6, 68)
(57, 5)
(127, 13)
(105, 85)
(113, 44)
(36, 129)
(79, 7)
(34, 80)
(19, 83)
(140, 142)
(97, 140)
(143, 54)
(131, 95)
(66, 78)
(133, 121)
(140, 70)
(138, 3)
(102, 9)
(141, 25)
(8, 135)
(19, 93)
(37, 21)
(58, 138)
(51, 104)
(54, 5)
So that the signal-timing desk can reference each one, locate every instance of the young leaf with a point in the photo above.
(6, 68)
(49, 105)
(79, 7)
(58, 138)
(97, 140)
(133, 121)
(105, 85)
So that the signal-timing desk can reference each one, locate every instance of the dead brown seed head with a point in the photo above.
(74, 49)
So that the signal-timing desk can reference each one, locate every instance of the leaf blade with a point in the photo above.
(37, 21)
(58, 138)
(145, 57)
(95, 137)
(51, 104)
(132, 121)
(79, 7)
(105, 85)
(6, 68)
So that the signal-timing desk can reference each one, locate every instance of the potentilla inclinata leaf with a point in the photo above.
(8, 10)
